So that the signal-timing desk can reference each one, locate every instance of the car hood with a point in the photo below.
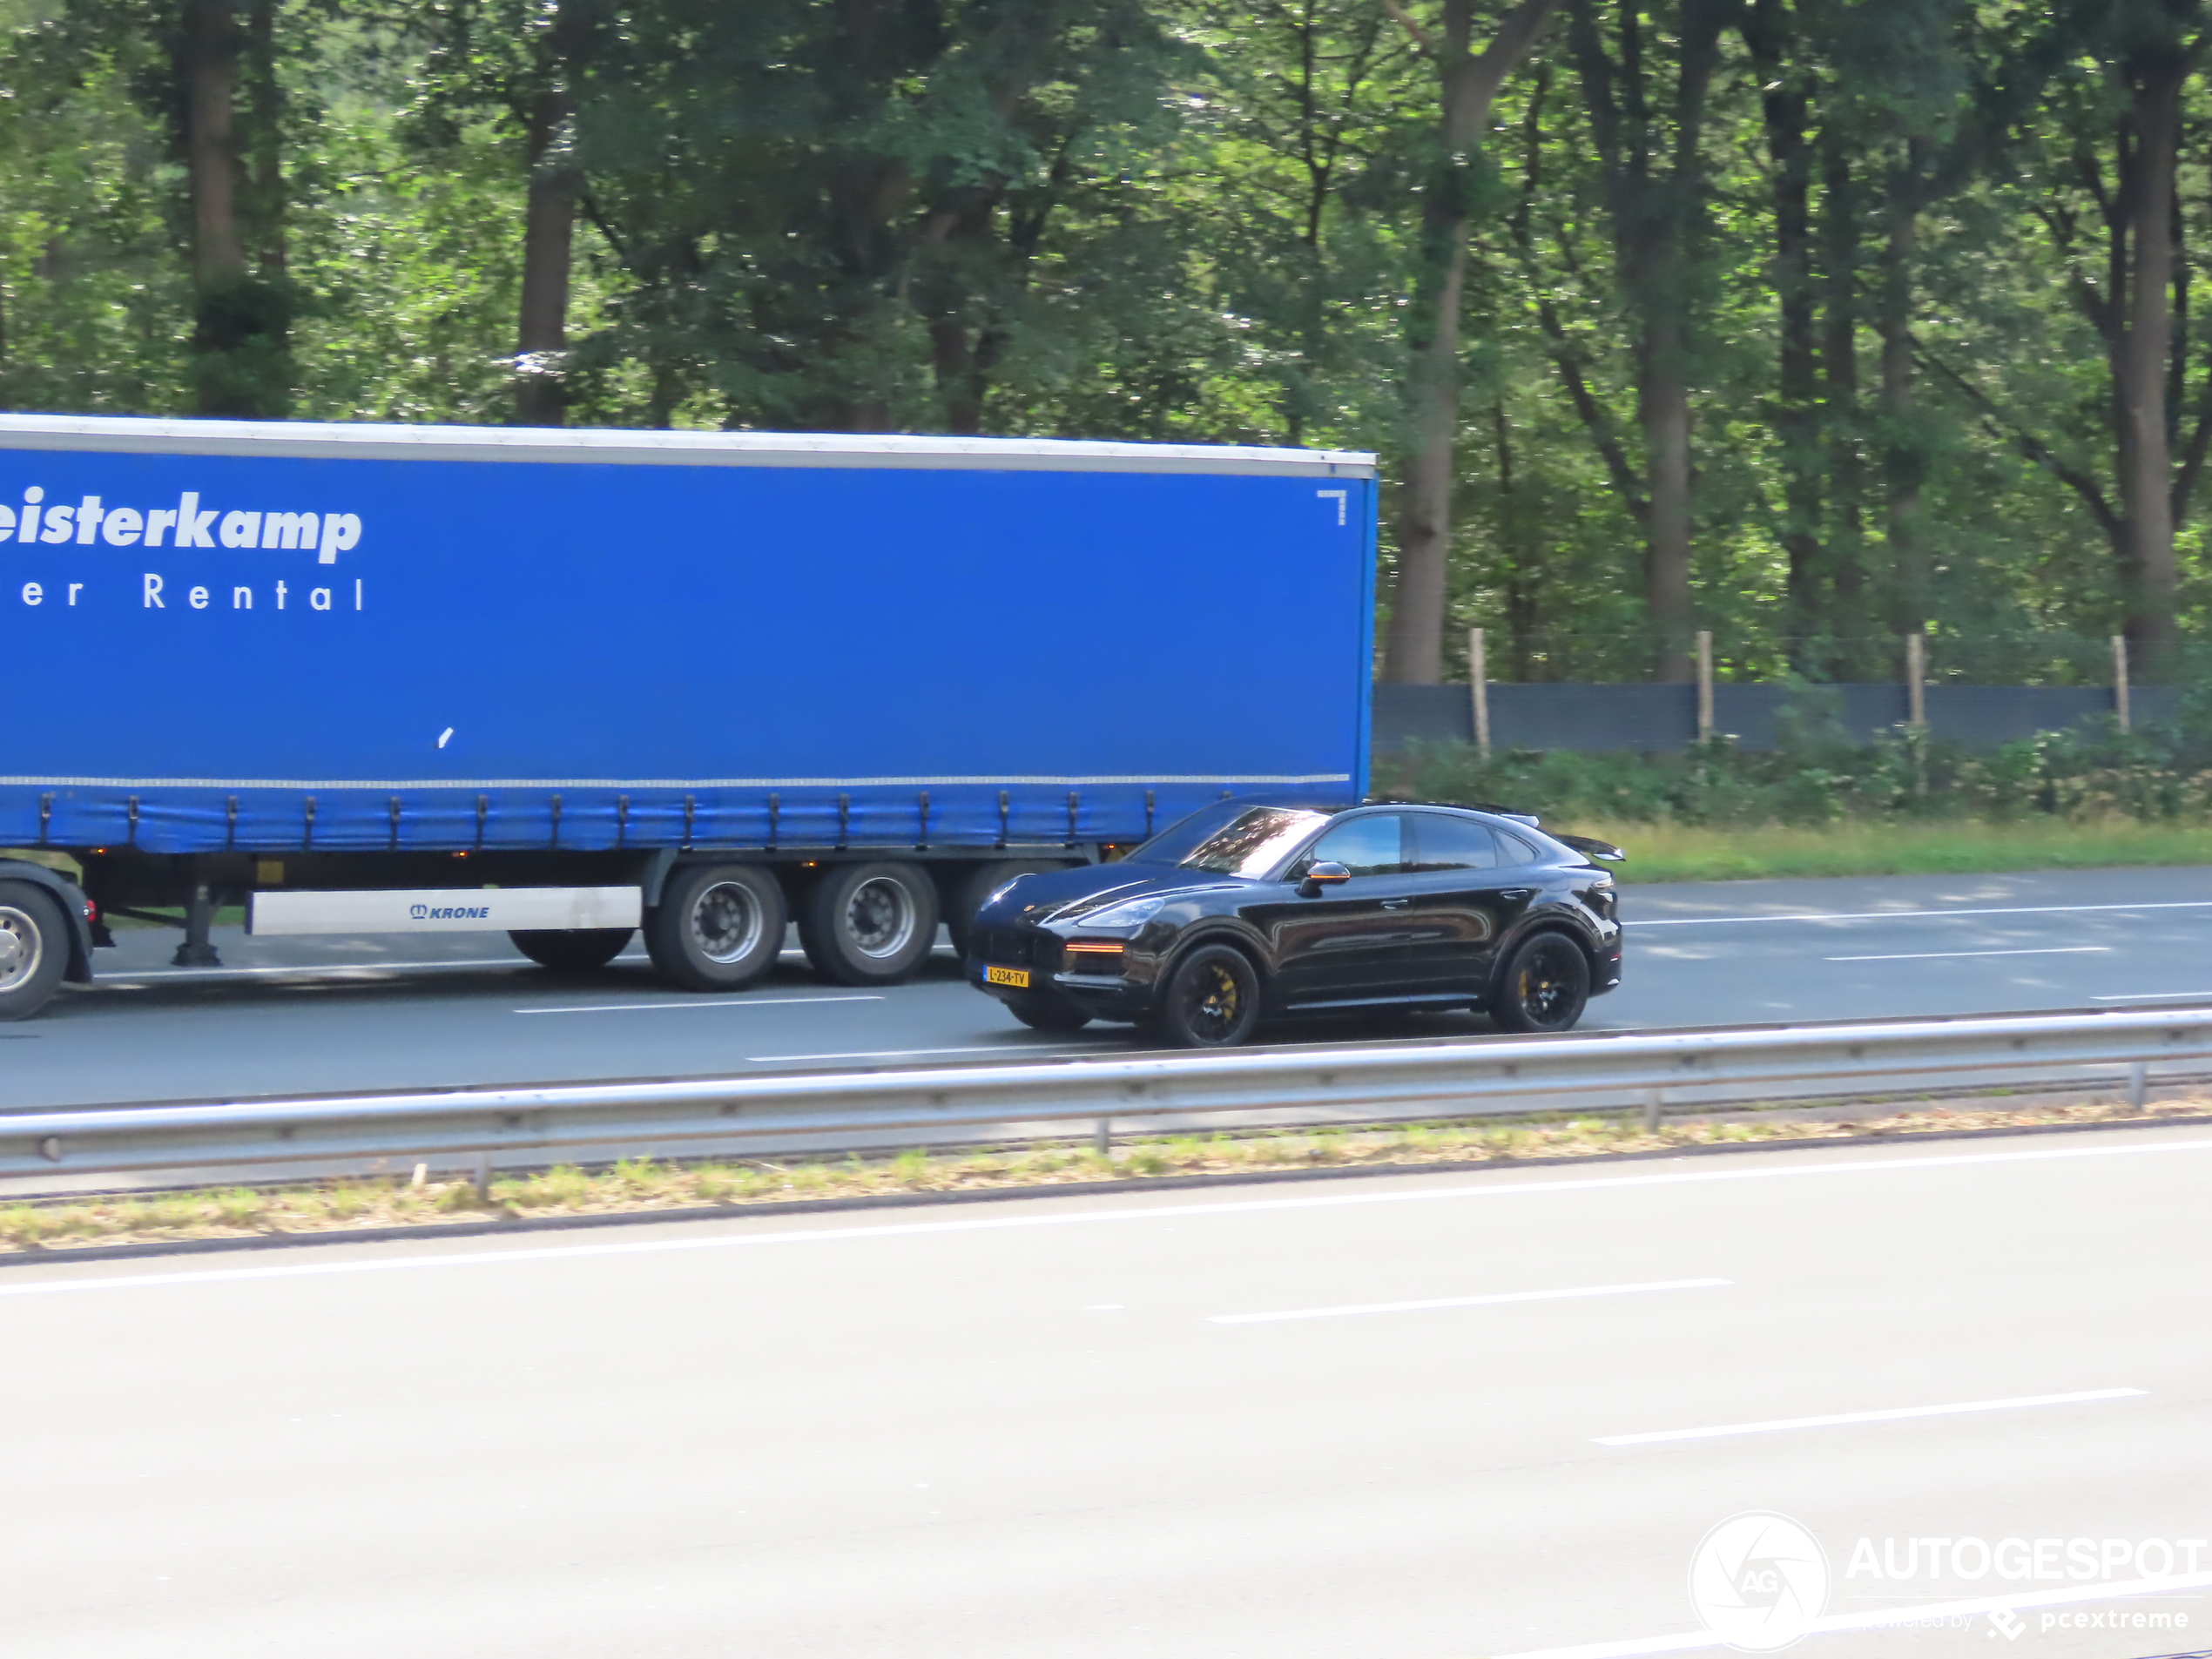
(1064, 895)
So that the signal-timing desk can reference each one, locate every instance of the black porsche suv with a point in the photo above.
(1245, 910)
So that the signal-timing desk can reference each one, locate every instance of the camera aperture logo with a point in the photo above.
(1758, 1580)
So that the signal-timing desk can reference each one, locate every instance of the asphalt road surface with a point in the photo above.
(1410, 1418)
(287, 1016)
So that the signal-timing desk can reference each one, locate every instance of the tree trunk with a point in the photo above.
(1845, 622)
(549, 230)
(1784, 106)
(1663, 412)
(2149, 576)
(240, 351)
(1903, 464)
(1468, 85)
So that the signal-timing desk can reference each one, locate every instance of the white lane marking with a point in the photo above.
(1929, 1612)
(698, 1002)
(2149, 996)
(900, 1054)
(1934, 955)
(1498, 1299)
(1893, 1415)
(1177, 1212)
(1894, 915)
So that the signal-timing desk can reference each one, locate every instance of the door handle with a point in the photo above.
(1396, 904)
(1512, 893)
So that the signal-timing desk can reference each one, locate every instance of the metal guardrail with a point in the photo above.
(1496, 1075)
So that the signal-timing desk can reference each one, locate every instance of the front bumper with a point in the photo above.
(1040, 953)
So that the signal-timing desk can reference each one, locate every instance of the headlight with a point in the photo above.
(1133, 913)
(1001, 892)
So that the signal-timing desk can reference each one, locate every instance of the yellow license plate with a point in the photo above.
(1017, 977)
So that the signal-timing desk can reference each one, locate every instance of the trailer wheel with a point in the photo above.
(869, 924)
(967, 893)
(572, 950)
(34, 949)
(717, 927)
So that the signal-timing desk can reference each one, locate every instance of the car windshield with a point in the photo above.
(1251, 843)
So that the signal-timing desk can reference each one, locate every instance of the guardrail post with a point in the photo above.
(482, 1179)
(1654, 1102)
(2138, 1084)
(1103, 1137)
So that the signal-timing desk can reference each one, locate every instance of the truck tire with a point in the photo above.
(34, 949)
(572, 950)
(869, 924)
(717, 927)
(965, 894)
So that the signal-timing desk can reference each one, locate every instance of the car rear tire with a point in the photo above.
(575, 950)
(717, 927)
(1545, 987)
(34, 949)
(869, 924)
(1210, 1000)
(1048, 1013)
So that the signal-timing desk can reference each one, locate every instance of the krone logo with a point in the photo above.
(420, 912)
(1757, 1580)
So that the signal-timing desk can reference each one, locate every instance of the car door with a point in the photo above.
(1353, 940)
(1471, 881)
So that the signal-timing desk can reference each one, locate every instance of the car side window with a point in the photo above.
(1512, 850)
(1365, 845)
(1441, 843)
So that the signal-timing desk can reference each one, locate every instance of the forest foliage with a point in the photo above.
(1813, 323)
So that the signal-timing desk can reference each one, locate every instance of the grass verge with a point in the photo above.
(638, 1186)
(1666, 852)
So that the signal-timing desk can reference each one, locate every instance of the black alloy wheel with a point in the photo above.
(869, 924)
(1210, 1000)
(34, 948)
(1046, 1013)
(717, 927)
(1545, 987)
(572, 950)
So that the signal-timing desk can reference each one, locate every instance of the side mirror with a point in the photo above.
(1323, 875)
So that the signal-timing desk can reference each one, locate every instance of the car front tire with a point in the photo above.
(1545, 987)
(1210, 1000)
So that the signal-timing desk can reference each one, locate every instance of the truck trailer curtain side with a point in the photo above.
(269, 646)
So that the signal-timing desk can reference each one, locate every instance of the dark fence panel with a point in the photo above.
(1665, 716)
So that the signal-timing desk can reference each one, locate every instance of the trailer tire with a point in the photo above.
(34, 949)
(717, 927)
(869, 924)
(572, 950)
(967, 894)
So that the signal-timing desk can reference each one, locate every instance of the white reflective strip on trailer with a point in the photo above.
(459, 910)
(368, 441)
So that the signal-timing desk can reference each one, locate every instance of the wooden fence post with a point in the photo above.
(1704, 683)
(2120, 681)
(1479, 689)
(1916, 679)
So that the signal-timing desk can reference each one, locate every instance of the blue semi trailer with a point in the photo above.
(568, 686)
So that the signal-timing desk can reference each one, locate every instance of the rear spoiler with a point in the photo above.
(1590, 847)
